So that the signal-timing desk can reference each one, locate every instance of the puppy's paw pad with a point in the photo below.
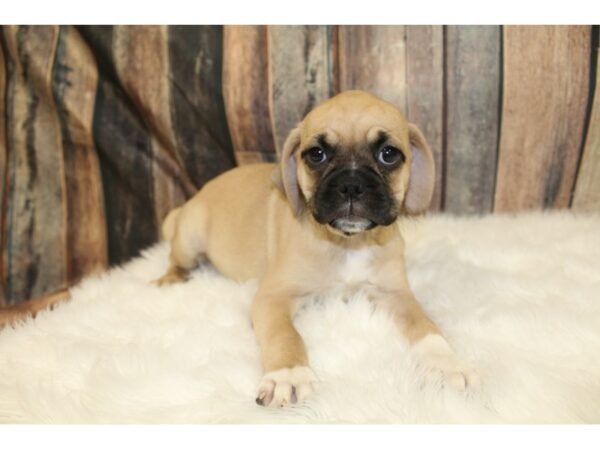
(286, 386)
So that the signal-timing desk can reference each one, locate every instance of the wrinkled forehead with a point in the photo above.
(354, 123)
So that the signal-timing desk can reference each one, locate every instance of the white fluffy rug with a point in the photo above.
(517, 297)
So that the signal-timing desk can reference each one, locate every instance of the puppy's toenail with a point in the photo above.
(294, 398)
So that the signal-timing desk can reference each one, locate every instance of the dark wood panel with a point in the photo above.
(142, 64)
(125, 154)
(472, 111)
(373, 58)
(34, 248)
(300, 74)
(587, 190)
(74, 85)
(546, 72)
(197, 108)
(3, 167)
(425, 92)
(246, 92)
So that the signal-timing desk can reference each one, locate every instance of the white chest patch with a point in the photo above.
(356, 267)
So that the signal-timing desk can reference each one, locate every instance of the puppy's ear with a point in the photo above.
(422, 173)
(285, 175)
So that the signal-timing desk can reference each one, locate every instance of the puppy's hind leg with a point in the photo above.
(186, 235)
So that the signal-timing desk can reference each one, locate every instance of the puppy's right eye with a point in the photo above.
(316, 156)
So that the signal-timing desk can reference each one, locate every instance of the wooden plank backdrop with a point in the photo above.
(74, 85)
(246, 93)
(374, 59)
(587, 191)
(300, 74)
(196, 102)
(3, 167)
(425, 93)
(545, 95)
(104, 129)
(473, 94)
(34, 250)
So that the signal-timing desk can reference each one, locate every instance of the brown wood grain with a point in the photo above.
(587, 189)
(373, 58)
(300, 74)
(10, 315)
(197, 107)
(246, 92)
(35, 245)
(425, 92)
(546, 74)
(142, 64)
(472, 110)
(3, 167)
(74, 83)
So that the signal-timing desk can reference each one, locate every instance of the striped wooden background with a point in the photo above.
(104, 129)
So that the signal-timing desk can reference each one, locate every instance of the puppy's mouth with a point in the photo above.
(351, 225)
(351, 218)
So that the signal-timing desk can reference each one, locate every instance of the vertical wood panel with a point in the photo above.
(473, 96)
(142, 64)
(425, 92)
(197, 108)
(546, 71)
(35, 247)
(3, 167)
(374, 59)
(587, 190)
(74, 82)
(125, 154)
(246, 93)
(300, 74)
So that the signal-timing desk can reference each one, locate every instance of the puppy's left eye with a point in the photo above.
(316, 156)
(388, 156)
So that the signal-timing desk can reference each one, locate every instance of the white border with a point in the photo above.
(291, 437)
(299, 12)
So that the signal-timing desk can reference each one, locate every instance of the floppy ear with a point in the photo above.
(422, 173)
(285, 175)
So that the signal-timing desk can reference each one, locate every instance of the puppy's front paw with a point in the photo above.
(284, 386)
(438, 362)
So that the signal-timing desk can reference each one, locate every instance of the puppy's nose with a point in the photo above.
(351, 188)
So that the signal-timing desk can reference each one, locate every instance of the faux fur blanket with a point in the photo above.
(517, 297)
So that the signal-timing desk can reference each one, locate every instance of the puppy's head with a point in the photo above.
(355, 163)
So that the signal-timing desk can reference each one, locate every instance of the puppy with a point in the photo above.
(350, 169)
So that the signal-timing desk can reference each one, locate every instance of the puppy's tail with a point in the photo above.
(169, 224)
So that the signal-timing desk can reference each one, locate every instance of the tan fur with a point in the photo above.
(254, 222)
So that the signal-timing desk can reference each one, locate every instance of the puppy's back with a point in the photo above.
(234, 208)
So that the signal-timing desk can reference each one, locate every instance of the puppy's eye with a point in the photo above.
(388, 156)
(316, 156)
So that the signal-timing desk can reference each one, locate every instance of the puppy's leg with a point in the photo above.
(288, 379)
(430, 350)
(186, 235)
